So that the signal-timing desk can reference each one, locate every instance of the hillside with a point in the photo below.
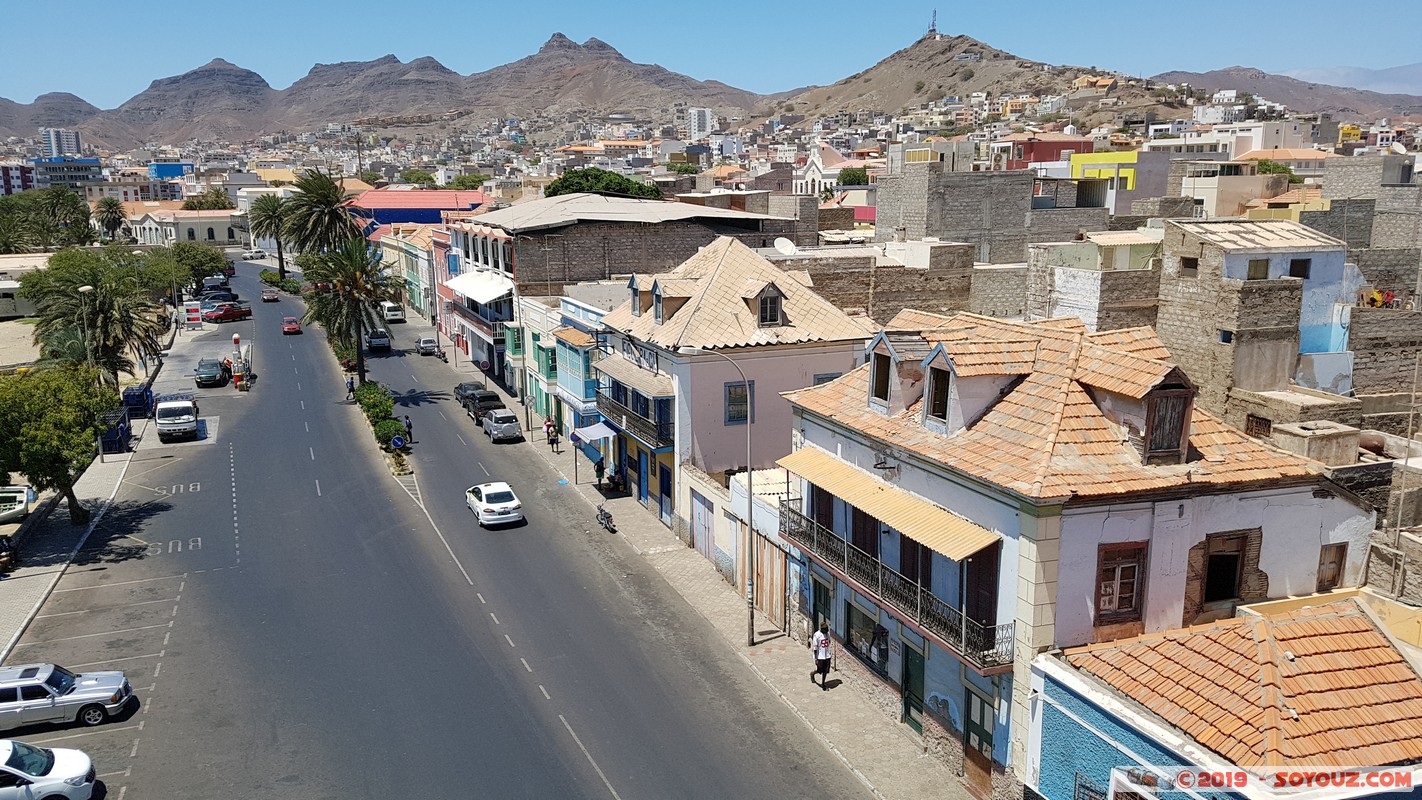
(218, 100)
(1405, 79)
(53, 110)
(1299, 95)
(355, 89)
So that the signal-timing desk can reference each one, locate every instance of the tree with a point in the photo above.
(214, 199)
(853, 176)
(357, 283)
(417, 176)
(1268, 167)
(267, 219)
(49, 420)
(110, 214)
(15, 234)
(467, 182)
(317, 218)
(371, 177)
(200, 260)
(600, 181)
(682, 168)
(115, 317)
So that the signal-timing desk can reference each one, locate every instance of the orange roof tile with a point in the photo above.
(1240, 687)
(1047, 438)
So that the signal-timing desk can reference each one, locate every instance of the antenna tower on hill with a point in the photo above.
(933, 26)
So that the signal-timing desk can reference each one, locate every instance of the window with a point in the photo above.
(915, 561)
(879, 388)
(34, 691)
(1119, 581)
(1299, 267)
(1258, 269)
(1258, 427)
(657, 307)
(740, 398)
(1189, 267)
(769, 310)
(1226, 337)
(9, 695)
(192, 235)
(636, 303)
(1224, 564)
(1166, 413)
(230, 234)
(826, 377)
(211, 235)
(1331, 558)
(938, 393)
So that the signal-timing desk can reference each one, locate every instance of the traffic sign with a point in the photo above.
(397, 442)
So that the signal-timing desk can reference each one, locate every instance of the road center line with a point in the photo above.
(546, 695)
(441, 413)
(461, 440)
(447, 548)
(525, 664)
(486, 469)
(312, 451)
(605, 781)
(92, 635)
(303, 405)
(318, 488)
(308, 426)
(507, 639)
(494, 618)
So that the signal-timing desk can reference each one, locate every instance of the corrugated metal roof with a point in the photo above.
(645, 381)
(931, 526)
(574, 336)
(1259, 234)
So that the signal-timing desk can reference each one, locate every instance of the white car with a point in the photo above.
(493, 504)
(28, 771)
(249, 255)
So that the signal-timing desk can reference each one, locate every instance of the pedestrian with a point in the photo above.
(552, 438)
(409, 429)
(599, 469)
(350, 386)
(820, 644)
(548, 427)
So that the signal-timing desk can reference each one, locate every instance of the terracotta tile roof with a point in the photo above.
(1318, 686)
(574, 336)
(1047, 437)
(419, 198)
(716, 314)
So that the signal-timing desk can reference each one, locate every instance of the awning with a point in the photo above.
(936, 528)
(643, 380)
(483, 286)
(594, 432)
(574, 336)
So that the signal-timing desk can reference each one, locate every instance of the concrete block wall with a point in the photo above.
(1190, 315)
(1349, 220)
(802, 208)
(1063, 224)
(1173, 206)
(1356, 177)
(836, 219)
(999, 290)
(1129, 299)
(856, 283)
(1385, 344)
(1387, 268)
(1300, 405)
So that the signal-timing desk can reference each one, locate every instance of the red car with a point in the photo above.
(228, 313)
(290, 325)
(270, 296)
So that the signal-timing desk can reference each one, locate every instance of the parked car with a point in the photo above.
(35, 693)
(228, 312)
(479, 402)
(493, 504)
(210, 372)
(290, 325)
(270, 296)
(248, 255)
(427, 346)
(28, 771)
(501, 423)
(223, 296)
(463, 390)
(377, 339)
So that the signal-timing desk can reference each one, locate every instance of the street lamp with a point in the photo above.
(750, 494)
(84, 321)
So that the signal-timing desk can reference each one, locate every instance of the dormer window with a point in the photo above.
(769, 310)
(636, 303)
(879, 377)
(936, 406)
(1167, 430)
(657, 306)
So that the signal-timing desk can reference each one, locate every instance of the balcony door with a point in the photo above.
(980, 577)
(865, 534)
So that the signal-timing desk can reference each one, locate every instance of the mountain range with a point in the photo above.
(1406, 79)
(564, 79)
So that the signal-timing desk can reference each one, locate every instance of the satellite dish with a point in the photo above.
(1399, 149)
(785, 247)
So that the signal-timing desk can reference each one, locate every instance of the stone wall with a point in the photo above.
(999, 290)
(804, 209)
(1129, 299)
(857, 281)
(1173, 206)
(1298, 405)
(1349, 220)
(1062, 224)
(1370, 480)
(836, 219)
(1385, 344)
(1127, 222)
(1387, 268)
(1395, 564)
(1356, 177)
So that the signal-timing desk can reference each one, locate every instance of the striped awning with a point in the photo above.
(932, 526)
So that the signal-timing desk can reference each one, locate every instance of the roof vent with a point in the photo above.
(1289, 656)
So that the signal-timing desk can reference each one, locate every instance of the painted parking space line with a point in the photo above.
(92, 635)
(106, 608)
(116, 660)
(120, 583)
(137, 727)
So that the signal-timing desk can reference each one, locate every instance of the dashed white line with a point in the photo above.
(525, 664)
(461, 440)
(308, 426)
(116, 660)
(494, 618)
(298, 386)
(318, 488)
(546, 695)
(303, 405)
(486, 469)
(441, 413)
(440, 534)
(605, 781)
(413, 378)
(119, 583)
(312, 451)
(507, 639)
(481, 597)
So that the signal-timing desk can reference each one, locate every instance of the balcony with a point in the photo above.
(652, 433)
(984, 646)
(492, 330)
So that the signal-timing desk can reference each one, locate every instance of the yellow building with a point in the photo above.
(1349, 133)
(1115, 165)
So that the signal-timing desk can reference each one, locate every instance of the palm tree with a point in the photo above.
(115, 320)
(356, 284)
(110, 214)
(267, 219)
(15, 234)
(317, 219)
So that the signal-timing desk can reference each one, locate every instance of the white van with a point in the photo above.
(392, 312)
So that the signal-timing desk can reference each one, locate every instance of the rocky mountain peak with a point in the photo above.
(595, 45)
(558, 42)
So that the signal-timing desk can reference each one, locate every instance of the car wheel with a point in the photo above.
(92, 715)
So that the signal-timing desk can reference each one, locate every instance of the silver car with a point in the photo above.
(31, 694)
(501, 423)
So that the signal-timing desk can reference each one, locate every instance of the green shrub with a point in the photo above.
(270, 277)
(375, 401)
(290, 286)
(388, 429)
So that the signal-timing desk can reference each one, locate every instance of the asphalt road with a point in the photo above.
(299, 625)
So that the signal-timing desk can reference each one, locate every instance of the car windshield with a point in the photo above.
(207, 366)
(31, 760)
(289, 321)
(61, 680)
(499, 497)
(173, 412)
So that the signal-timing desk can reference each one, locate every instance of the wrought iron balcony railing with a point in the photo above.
(984, 645)
(651, 432)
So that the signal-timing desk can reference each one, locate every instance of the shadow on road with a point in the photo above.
(414, 398)
(113, 541)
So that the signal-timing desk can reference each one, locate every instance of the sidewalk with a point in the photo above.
(886, 755)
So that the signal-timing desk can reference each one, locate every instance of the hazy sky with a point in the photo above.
(107, 52)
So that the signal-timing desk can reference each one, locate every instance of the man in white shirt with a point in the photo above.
(820, 643)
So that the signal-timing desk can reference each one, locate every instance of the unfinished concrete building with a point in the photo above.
(1108, 279)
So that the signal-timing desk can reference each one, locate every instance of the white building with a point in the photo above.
(61, 142)
(700, 122)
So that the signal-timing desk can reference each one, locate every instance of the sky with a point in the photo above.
(763, 46)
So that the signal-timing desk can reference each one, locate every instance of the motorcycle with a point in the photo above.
(442, 356)
(9, 557)
(604, 518)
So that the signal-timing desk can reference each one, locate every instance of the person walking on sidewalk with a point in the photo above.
(599, 470)
(409, 429)
(350, 387)
(820, 644)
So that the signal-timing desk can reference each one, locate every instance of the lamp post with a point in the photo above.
(750, 493)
